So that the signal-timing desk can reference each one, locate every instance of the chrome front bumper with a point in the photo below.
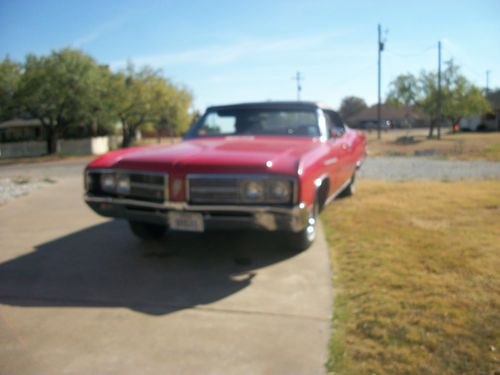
(269, 218)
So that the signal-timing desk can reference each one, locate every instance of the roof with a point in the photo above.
(20, 123)
(274, 105)
(387, 112)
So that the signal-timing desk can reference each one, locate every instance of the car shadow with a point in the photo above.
(106, 266)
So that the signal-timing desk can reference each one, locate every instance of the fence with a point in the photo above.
(86, 146)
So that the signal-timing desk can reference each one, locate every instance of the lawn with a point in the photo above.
(459, 146)
(416, 278)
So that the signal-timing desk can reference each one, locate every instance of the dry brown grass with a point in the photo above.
(416, 282)
(460, 146)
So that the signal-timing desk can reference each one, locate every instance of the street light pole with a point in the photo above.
(439, 93)
(487, 82)
(380, 49)
(298, 78)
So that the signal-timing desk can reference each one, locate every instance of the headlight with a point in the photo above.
(122, 184)
(279, 190)
(108, 181)
(253, 191)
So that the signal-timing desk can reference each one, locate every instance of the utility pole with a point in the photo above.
(439, 93)
(487, 82)
(379, 108)
(298, 78)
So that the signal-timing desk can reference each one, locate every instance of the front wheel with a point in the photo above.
(147, 231)
(302, 240)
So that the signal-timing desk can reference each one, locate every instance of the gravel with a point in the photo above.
(21, 179)
(414, 168)
(11, 188)
(53, 169)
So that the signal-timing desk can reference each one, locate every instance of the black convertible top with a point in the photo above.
(272, 105)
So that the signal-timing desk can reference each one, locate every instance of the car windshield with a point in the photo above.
(258, 121)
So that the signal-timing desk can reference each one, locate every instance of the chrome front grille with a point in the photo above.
(214, 189)
(230, 189)
(151, 187)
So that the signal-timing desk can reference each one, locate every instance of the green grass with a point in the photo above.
(416, 282)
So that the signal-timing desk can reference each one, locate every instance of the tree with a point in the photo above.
(60, 90)
(104, 116)
(131, 102)
(10, 75)
(351, 105)
(68, 90)
(404, 91)
(173, 110)
(494, 99)
(459, 97)
(145, 96)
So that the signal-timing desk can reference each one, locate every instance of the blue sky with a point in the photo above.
(233, 51)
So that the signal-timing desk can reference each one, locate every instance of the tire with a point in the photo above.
(350, 189)
(302, 240)
(147, 231)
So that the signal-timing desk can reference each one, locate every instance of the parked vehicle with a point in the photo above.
(487, 122)
(271, 166)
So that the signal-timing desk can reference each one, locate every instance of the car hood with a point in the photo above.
(247, 154)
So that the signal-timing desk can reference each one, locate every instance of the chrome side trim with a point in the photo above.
(334, 195)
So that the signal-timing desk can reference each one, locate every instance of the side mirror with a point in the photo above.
(335, 133)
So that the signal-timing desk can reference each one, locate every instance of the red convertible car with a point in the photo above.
(271, 166)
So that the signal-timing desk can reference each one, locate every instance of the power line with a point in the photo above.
(461, 62)
(353, 76)
(412, 54)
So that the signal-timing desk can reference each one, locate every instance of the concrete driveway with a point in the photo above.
(80, 295)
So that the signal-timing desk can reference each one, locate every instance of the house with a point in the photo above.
(392, 116)
(26, 137)
(21, 130)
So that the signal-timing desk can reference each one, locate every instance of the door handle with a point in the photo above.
(345, 146)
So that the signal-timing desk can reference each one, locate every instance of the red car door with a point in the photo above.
(333, 164)
(341, 152)
(349, 153)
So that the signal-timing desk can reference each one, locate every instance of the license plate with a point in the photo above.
(186, 221)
